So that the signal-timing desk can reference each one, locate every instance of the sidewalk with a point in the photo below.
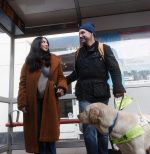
(80, 150)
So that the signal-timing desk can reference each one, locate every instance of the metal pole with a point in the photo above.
(78, 12)
(11, 91)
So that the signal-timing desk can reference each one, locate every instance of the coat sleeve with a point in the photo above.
(114, 70)
(61, 83)
(71, 77)
(21, 99)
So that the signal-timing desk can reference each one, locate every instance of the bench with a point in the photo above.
(17, 123)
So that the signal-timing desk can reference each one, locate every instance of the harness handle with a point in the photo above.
(120, 103)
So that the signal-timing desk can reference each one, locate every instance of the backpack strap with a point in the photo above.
(100, 49)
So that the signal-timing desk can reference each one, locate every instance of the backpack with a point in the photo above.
(100, 49)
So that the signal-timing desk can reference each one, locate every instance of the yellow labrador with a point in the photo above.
(104, 116)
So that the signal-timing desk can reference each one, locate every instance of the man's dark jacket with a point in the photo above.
(92, 72)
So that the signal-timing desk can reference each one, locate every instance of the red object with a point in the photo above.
(69, 121)
(62, 121)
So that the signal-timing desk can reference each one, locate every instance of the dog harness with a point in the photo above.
(132, 133)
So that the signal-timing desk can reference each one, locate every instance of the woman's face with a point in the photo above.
(44, 45)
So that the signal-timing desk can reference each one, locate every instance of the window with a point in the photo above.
(4, 64)
(132, 51)
(22, 48)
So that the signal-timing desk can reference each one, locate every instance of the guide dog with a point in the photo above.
(103, 117)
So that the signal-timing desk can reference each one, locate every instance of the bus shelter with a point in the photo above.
(21, 21)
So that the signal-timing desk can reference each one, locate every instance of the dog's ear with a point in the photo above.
(94, 115)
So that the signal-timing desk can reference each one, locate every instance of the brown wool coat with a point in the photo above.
(27, 97)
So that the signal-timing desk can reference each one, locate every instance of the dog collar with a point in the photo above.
(114, 123)
(134, 132)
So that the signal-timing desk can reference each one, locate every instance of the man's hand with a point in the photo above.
(117, 95)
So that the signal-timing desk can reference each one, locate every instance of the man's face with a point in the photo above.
(85, 36)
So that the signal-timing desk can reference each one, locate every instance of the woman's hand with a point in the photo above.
(24, 110)
(60, 92)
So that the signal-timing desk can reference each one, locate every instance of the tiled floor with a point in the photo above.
(80, 150)
(71, 147)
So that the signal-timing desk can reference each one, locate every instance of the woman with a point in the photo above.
(41, 82)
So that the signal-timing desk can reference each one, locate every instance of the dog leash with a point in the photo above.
(120, 103)
(132, 133)
(110, 129)
(125, 100)
(123, 104)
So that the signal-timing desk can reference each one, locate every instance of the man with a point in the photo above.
(92, 72)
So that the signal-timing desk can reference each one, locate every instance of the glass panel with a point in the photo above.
(22, 47)
(20, 118)
(4, 64)
(66, 108)
(65, 46)
(4, 116)
(4, 84)
(132, 51)
(3, 121)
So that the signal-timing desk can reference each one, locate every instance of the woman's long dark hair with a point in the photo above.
(37, 57)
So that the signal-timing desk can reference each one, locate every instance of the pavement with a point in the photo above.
(77, 150)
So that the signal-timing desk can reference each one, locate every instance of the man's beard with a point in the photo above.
(84, 43)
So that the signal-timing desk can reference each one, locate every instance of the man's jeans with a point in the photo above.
(95, 142)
